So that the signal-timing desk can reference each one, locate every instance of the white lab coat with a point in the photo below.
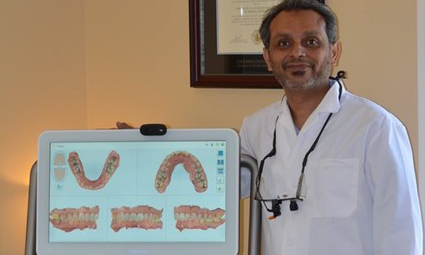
(361, 196)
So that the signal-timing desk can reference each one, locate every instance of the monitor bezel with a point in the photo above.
(229, 247)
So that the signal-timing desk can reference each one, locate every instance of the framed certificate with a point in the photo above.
(225, 46)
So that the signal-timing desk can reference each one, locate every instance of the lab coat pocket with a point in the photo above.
(332, 187)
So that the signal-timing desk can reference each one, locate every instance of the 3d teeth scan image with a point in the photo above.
(137, 192)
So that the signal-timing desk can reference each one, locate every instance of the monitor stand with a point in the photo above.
(32, 198)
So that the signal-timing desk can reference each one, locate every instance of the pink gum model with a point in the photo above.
(190, 163)
(141, 216)
(69, 219)
(111, 164)
(193, 217)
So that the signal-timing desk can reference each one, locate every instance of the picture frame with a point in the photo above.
(211, 70)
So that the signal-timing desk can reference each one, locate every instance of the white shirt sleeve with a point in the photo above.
(397, 223)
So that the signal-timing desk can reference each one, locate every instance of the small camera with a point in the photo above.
(276, 208)
(153, 129)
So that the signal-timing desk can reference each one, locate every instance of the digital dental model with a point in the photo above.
(109, 168)
(190, 163)
(141, 216)
(69, 219)
(193, 217)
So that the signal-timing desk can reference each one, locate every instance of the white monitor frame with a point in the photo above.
(228, 247)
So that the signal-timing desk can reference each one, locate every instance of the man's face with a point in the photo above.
(300, 55)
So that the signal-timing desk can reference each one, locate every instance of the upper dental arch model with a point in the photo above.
(111, 164)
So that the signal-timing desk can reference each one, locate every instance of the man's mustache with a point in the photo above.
(296, 62)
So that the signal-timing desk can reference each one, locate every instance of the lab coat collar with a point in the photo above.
(329, 104)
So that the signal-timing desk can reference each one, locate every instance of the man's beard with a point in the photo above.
(316, 80)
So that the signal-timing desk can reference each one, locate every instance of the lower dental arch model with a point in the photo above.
(190, 163)
(77, 168)
(141, 216)
(69, 219)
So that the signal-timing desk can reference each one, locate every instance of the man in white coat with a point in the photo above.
(336, 170)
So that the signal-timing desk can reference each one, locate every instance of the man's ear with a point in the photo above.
(266, 57)
(336, 53)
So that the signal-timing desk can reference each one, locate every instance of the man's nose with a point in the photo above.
(298, 50)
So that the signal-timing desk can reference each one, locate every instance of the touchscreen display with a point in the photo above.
(137, 191)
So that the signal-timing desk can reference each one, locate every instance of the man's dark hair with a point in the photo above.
(296, 5)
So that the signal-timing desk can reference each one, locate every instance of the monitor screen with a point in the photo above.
(137, 194)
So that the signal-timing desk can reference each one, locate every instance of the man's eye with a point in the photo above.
(312, 42)
(283, 44)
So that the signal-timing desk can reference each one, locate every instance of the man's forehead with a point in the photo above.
(296, 19)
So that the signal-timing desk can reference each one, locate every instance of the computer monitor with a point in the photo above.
(115, 192)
